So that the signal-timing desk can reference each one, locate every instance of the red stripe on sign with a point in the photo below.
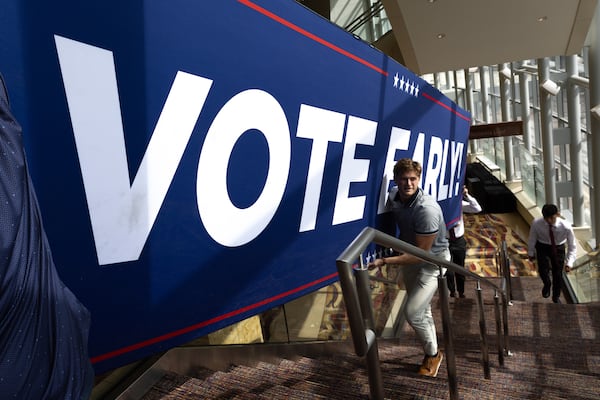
(309, 35)
(179, 332)
(453, 221)
(335, 48)
(439, 103)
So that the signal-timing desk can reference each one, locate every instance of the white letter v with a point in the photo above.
(122, 214)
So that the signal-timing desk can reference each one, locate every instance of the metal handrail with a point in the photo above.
(504, 268)
(359, 307)
(583, 263)
(365, 17)
(371, 235)
(589, 258)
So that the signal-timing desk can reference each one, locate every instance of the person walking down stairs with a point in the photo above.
(549, 237)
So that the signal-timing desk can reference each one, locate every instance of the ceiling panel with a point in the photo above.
(443, 35)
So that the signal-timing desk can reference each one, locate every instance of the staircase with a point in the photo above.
(555, 355)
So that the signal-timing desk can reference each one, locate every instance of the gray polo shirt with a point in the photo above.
(420, 215)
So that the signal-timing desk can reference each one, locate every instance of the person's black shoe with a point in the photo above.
(556, 300)
(546, 291)
(461, 295)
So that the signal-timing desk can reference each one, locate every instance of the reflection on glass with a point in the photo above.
(584, 279)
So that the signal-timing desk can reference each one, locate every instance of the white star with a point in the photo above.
(402, 83)
(396, 80)
(417, 91)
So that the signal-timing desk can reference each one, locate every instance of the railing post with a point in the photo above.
(506, 270)
(373, 366)
(505, 304)
(356, 284)
(498, 263)
(485, 357)
(448, 338)
(498, 328)
(353, 309)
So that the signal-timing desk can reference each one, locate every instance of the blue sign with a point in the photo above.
(197, 163)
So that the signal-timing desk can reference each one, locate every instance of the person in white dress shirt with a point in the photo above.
(458, 245)
(554, 252)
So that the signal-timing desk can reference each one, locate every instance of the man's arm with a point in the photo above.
(421, 241)
(571, 249)
(470, 205)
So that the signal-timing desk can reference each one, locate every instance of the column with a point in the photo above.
(505, 110)
(547, 134)
(576, 144)
(594, 64)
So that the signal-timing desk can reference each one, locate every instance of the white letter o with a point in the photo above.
(225, 223)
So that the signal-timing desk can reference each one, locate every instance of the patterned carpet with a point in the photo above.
(484, 234)
(555, 355)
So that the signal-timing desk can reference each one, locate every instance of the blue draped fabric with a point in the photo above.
(43, 327)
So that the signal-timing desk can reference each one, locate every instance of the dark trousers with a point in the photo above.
(548, 263)
(458, 252)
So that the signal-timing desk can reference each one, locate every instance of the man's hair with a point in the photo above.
(406, 165)
(549, 210)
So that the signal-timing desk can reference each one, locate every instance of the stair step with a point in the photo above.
(555, 355)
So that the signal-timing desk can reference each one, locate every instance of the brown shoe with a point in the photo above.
(431, 364)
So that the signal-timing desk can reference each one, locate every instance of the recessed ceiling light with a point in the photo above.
(542, 19)
(440, 35)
